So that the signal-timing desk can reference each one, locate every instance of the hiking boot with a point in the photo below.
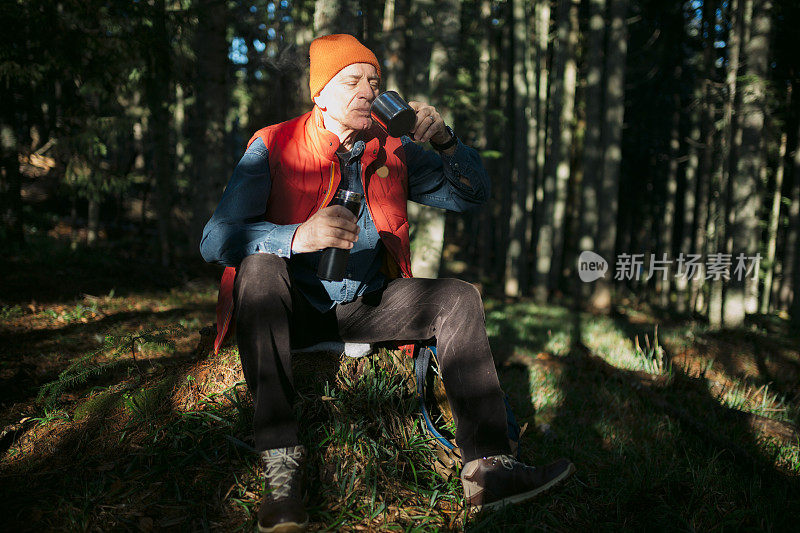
(492, 482)
(282, 509)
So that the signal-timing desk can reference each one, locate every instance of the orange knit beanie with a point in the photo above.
(331, 53)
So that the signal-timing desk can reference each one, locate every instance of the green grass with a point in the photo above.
(166, 442)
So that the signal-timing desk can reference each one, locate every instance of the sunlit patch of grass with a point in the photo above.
(373, 457)
(759, 400)
(97, 404)
(545, 390)
(606, 339)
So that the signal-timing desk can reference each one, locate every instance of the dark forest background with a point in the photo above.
(639, 127)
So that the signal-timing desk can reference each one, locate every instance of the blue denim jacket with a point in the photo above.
(238, 229)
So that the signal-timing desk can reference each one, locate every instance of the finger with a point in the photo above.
(422, 118)
(343, 237)
(341, 223)
(436, 127)
(339, 211)
(341, 233)
(425, 128)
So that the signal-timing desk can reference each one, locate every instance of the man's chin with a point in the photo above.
(362, 123)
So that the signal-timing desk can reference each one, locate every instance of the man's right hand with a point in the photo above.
(334, 226)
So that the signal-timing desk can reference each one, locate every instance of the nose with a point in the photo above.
(366, 91)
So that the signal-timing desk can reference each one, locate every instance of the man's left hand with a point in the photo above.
(430, 124)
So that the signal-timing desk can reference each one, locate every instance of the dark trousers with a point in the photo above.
(272, 315)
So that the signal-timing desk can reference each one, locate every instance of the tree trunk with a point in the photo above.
(394, 21)
(793, 255)
(336, 16)
(612, 147)
(790, 264)
(542, 17)
(428, 223)
(667, 223)
(772, 231)
(689, 195)
(516, 271)
(159, 97)
(531, 55)
(504, 164)
(704, 176)
(742, 294)
(720, 212)
(550, 225)
(592, 149)
(10, 186)
(92, 221)
(564, 154)
(482, 223)
(210, 168)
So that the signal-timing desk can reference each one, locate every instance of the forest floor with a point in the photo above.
(116, 414)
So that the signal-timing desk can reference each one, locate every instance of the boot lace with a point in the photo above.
(509, 462)
(282, 465)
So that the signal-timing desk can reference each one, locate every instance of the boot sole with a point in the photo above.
(284, 527)
(518, 498)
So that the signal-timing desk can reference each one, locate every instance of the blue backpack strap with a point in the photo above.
(421, 362)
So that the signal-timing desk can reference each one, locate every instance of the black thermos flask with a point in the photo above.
(333, 262)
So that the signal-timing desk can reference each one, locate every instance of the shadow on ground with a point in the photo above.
(647, 456)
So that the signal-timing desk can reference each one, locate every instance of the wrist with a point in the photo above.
(445, 140)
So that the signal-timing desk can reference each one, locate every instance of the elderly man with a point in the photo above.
(269, 229)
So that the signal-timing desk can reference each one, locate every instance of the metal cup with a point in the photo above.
(393, 114)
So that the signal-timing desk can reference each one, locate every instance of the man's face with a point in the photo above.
(349, 94)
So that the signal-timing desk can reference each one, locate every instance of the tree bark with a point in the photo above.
(429, 223)
(542, 17)
(667, 222)
(336, 16)
(790, 263)
(482, 222)
(92, 220)
(794, 225)
(394, 21)
(210, 168)
(742, 294)
(502, 167)
(612, 147)
(159, 97)
(720, 212)
(563, 170)
(10, 186)
(516, 270)
(689, 196)
(562, 95)
(592, 149)
(772, 230)
(530, 67)
(704, 175)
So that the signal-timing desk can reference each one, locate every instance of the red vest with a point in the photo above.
(305, 172)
